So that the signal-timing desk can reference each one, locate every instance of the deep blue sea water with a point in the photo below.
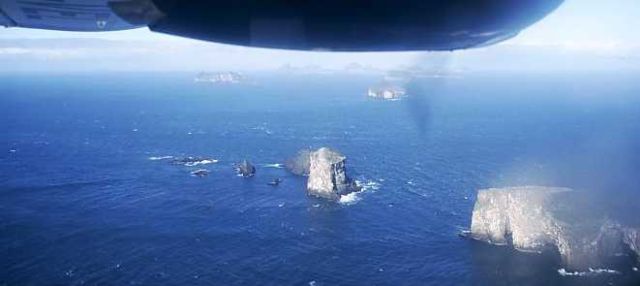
(82, 203)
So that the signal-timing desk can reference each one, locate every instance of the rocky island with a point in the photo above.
(220, 77)
(386, 92)
(537, 219)
(326, 171)
(328, 176)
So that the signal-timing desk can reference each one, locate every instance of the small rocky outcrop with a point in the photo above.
(245, 169)
(328, 175)
(533, 219)
(275, 182)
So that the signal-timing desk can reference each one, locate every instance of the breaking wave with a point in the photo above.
(153, 158)
(590, 272)
(350, 198)
(274, 165)
(354, 197)
(369, 185)
(201, 162)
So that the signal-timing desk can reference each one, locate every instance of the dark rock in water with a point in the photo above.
(299, 164)
(275, 182)
(245, 169)
(354, 187)
(532, 219)
(328, 175)
(200, 173)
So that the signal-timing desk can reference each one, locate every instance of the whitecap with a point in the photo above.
(201, 162)
(597, 271)
(155, 158)
(368, 185)
(273, 165)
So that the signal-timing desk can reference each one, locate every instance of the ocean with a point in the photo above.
(89, 195)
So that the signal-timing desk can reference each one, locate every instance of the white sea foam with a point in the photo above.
(590, 272)
(274, 165)
(160, 158)
(369, 185)
(354, 197)
(201, 162)
(349, 199)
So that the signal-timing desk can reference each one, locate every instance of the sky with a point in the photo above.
(579, 35)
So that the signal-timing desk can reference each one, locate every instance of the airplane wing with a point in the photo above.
(332, 25)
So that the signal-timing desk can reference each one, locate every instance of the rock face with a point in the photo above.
(245, 169)
(327, 174)
(515, 215)
(534, 219)
(632, 239)
(299, 164)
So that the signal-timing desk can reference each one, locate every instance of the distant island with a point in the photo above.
(386, 92)
(227, 77)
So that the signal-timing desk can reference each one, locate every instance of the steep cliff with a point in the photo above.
(534, 219)
(632, 239)
(327, 174)
(517, 216)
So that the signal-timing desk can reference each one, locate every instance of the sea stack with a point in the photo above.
(327, 174)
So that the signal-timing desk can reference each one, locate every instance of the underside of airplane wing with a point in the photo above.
(332, 25)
